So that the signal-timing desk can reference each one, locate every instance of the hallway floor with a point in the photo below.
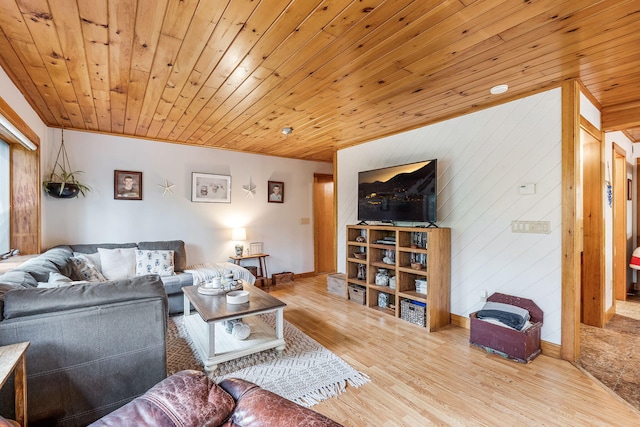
(612, 354)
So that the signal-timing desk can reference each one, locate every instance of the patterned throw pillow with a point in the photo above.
(154, 262)
(83, 269)
(93, 258)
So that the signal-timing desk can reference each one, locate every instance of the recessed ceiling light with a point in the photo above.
(497, 90)
(287, 130)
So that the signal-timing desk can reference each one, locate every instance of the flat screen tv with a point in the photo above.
(405, 193)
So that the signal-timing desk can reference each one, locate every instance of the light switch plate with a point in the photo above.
(526, 189)
(537, 227)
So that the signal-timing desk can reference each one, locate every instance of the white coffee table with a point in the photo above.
(207, 329)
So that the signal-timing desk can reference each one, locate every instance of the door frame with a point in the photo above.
(619, 223)
(591, 216)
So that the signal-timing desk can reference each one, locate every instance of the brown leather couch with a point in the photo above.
(190, 398)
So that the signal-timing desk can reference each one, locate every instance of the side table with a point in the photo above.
(262, 264)
(13, 262)
(13, 359)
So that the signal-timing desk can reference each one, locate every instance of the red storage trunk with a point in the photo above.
(521, 346)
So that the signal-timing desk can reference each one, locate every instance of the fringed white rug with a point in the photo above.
(305, 372)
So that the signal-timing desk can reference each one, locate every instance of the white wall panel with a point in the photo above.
(205, 227)
(482, 160)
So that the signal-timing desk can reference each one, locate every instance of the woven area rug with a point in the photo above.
(305, 372)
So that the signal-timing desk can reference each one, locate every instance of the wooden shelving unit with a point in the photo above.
(399, 251)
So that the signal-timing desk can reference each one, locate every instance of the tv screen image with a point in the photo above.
(399, 193)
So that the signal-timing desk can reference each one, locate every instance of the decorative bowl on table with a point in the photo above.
(237, 297)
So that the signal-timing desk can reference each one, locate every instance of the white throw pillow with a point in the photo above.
(118, 263)
(154, 262)
(83, 269)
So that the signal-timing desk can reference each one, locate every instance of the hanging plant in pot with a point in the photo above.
(62, 182)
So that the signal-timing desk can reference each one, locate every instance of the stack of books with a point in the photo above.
(389, 240)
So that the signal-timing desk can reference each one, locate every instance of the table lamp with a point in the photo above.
(239, 235)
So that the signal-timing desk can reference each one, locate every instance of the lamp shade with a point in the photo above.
(239, 234)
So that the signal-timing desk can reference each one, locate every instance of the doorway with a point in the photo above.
(619, 232)
(324, 224)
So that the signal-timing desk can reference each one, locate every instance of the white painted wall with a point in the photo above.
(205, 227)
(12, 96)
(482, 159)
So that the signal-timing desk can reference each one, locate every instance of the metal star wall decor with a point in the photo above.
(168, 188)
(250, 188)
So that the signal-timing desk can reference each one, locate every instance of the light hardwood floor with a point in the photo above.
(420, 379)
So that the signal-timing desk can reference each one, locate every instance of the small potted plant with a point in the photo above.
(62, 182)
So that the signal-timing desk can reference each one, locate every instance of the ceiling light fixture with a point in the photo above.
(497, 90)
(287, 130)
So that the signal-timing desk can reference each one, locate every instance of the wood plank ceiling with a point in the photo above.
(232, 73)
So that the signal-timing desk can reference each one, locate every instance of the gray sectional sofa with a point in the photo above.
(172, 284)
(94, 346)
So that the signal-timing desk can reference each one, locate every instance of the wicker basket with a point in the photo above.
(357, 294)
(413, 312)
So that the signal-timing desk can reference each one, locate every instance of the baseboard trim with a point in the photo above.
(461, 321)
(610, 313)
(548, 348)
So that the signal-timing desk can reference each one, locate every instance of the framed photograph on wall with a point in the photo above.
(127, 185)
(209, 188)
(275, 192)
(256, 248)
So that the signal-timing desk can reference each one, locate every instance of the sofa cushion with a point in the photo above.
(177, 246)
(39, 267)
(258, 406)
(33, 301)
(174, 284)
(4, 288)
(60, 257)
(118, 263)
(93, 247)
(154, 262)
(19, 278)
(186, 398)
